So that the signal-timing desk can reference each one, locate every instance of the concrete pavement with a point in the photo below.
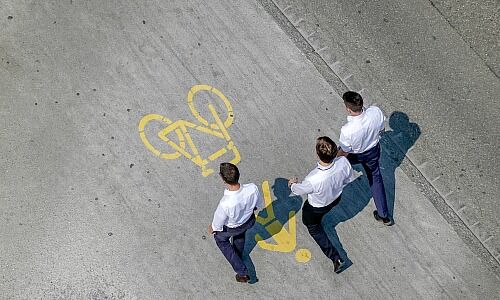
(92, 209)
(435, 65)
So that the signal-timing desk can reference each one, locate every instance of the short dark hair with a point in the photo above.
(229, 173)
(353, 101)
(326, 149)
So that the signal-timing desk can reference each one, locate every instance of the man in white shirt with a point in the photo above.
(359, 142)
(233, 217)
(323, 187)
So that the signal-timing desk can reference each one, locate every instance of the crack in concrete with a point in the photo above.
(410, 169)
(462, 38)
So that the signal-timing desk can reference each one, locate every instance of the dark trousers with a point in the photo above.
(311, 217)
(233, 251)
(369, 160)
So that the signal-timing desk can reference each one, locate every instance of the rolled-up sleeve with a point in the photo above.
(302, 188)
(382, 123)
(349, 174)
(344, 143)
(220, 218)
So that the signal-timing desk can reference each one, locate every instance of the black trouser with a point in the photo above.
(233, 250)
(369, 160)
(311, 217)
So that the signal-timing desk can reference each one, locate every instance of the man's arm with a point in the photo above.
(341, 152)
(382, 125)
(300, 188)
(344, 145)
(220, 218)
(349, 174)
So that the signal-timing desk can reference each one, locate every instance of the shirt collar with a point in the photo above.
(228, 192)
(324, 168)
(350, 118)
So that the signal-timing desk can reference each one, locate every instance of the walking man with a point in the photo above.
(233, 217)
(359, 141)
(323, 187)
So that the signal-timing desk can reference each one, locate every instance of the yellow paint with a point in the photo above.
(285, 239)
(217, 128)
(266, 191)
(217, 154)
(203, 87)
(142, 134)
(303, 255)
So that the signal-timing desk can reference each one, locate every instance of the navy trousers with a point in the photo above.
(369, 160)
(311, 217)
(233, 250)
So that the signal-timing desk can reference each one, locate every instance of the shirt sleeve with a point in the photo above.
(220, 218)
(382, 123)
(260, 201)
(344, 143)
(350, 174)
(302, 188)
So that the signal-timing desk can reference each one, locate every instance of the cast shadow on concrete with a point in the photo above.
(395, 143)
(354, 198)
(283, 203)
(356, 195)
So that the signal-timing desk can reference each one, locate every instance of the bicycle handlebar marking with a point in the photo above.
(181, 128)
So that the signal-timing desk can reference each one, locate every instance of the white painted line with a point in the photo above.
(322, 49)
(311, 34)
(489, 238)
(436, 178)
(447, 194)
(298, 22)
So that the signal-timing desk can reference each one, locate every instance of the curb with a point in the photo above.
(471, 230)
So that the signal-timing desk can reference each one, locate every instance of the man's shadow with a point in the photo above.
(283, 203)
(395, 144)
(356, 195)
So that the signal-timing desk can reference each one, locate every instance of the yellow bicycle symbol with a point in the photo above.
(216, 127)
(285, 240)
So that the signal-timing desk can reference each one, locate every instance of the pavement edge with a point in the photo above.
(431, 182)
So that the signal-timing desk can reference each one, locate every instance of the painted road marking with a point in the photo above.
(286, 240)
(181, 128)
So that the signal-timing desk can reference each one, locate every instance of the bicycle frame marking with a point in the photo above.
(181, 128)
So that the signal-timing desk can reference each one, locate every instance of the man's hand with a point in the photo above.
(341, 153)
(292, 181)
(210, 229)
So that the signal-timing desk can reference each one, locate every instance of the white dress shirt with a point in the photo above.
(325, 183)
(236, 207)
(361, 133)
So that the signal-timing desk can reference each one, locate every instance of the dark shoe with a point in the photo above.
(242, 278)
(386, 221)
(338, 265)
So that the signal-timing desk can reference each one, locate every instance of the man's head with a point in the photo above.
(229, 173)
(353, 101)
(326, 149)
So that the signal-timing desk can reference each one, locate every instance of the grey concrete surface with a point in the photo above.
(408, 57)
(478, 23)
(87, 212)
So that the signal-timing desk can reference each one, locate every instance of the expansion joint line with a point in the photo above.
(407, 166)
